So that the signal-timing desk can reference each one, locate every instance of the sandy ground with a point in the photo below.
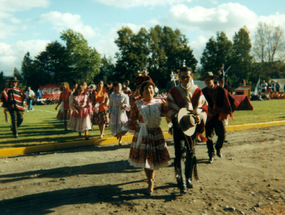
(249, 179)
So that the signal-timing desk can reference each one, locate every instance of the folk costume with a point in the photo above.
(79, 121)
(148, 148)
(118, 117)
(185, 159)
(220, 105)
(99, 101)
(64, 106)
(13, 101)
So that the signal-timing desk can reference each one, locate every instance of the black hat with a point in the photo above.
(208, 75)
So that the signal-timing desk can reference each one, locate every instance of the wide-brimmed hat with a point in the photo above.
(208, 75)
(92, 86)
(13, 79)
(186, 121)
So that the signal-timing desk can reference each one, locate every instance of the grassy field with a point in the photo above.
(41, 127)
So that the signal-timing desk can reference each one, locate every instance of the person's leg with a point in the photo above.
(120, 141)
(13, 121)
(150, 178)
(65, 119)
(79, 134)
(180, 156)
(220, 129)
(190, 161)
(103, 129)
(29, 101)
(209, 130)
(86, 134)
(19, 118)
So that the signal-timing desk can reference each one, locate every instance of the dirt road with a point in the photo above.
(249, 179)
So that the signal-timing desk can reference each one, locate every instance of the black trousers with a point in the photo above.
(16, 119)
(185, 158)
(215, 126)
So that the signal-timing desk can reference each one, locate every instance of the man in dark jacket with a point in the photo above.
(220, 105)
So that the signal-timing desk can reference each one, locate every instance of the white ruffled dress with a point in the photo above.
(118, 116)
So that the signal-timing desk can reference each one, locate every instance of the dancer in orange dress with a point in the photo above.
(100, 101)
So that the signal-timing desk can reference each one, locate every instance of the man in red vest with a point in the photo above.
(13, 101)
(186, 95)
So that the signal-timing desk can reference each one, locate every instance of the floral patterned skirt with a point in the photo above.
(100, 118)
(152, 153)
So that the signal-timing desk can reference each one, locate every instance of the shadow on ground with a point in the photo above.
(42, 203)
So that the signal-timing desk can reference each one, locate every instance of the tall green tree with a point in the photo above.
(159, 50)
(54, 63)
(2, 81)
(241, 60)
(107, 71)
(133, 52)
(30, 72)
(217, 52)
(84, 60)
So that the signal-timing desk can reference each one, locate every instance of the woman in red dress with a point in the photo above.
(64, 111)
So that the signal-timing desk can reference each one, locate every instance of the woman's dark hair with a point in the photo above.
(146, 84)
(79, 88)
(116, 84)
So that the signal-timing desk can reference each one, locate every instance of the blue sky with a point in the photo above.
(29, 25)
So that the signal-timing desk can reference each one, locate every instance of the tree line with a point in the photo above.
(159, 50)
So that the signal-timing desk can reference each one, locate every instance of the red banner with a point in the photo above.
(50, 91)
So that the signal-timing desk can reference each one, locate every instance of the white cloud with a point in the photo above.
(226, 17)
(276, 19)
(8, 7)
(106, 45)
(138, 3)
(62, 21)
(6, 30)
(198, 46)
(11, 55)
(16, 5)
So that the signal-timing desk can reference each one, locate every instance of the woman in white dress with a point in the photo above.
(148, 148)
(118, 105)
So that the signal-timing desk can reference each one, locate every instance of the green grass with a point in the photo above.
(41, 127)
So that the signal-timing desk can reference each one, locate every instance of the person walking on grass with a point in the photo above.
(119, 104)
(148, 148)
(80, 119)
(13, 101)
(64, 112)
(30, 95)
